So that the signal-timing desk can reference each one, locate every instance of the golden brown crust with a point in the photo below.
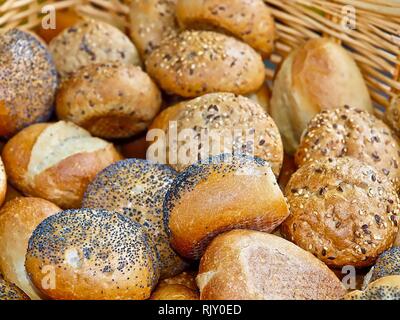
(151, 23)
(3, 183)
(109, 100)
(186, 278)
(251, 265)
(198, 62)
(342, 210)
(348, 132)
(232, 123)
(210, 198)
(174, 292)
(320, 75)
(18, 218)
(386, 288)
(249, 20)
(9, 291)
(28, 81)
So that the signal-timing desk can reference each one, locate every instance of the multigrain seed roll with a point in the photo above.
(111, 100)
(252, 265)
(28, 82)
(88, 42)
(198, 62)
(136, 188)
(18, 219)
(354, 133)
(222, 193)
(321, 75)
(151, 23)
(249, 20)
(218, 123)
(342, 210)
(92, 255)
(387, 288)
(56, 161)
(392, 114)
(9, 291)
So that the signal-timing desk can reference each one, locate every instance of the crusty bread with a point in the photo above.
(386, 288)
(342, 210)
(9, 291)
(56, 161)
(198, 62)
(151, 23)
(28, 81)
(186, 278)
(91, 41)
(222, 193)
(92, 255)
(18, 218)
(249, 20)
(229, 123)
(318, 76)
(252, 265)
(110, 100)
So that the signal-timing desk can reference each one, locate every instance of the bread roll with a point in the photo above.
(151, 23)
(342, 210)
(249, 20)
(392, 114)
(320, 75)
(110, 100)
(174, 292)
(88, 42)
(136, 188)
(354, 133)
(28, 82)
(56, 161)
(9, 291)
(18, 219)
(387, 288)
(219, 123)
(92, 255)
(186, 278)
(198, 62)
(219, 194)
(251, 265)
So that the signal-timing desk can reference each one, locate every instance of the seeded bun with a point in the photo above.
(214, 196)
(342, 210)
(198, 62)
(136, 188)
(251, 265)
(321, 75)
(392, 114)
(249, 20)
(28, 82)
(387, 288)
(9, 291)
(56, 161)
(91, 41)
(354, 133)
(110, 100)
(18, 218)
(93, 255)
(239, 124)
(151, 23)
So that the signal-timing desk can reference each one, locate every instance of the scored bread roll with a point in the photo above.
(136, 188)
(249, 20)
(320, 75)
(222, 193)
(151, 23)
(91, 41)
(218, 123)
(199, 62)
(56, 161)
(348, 132)
(392, 114)
(92, 255)
(252, 265)
(111, 100)
(18, 219)
(9, 291)
(342, 210)
(387, 288)
(28, 81)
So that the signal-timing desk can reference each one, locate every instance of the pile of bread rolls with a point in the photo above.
(90, 212)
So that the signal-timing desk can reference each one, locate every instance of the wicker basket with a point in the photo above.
(374, 43)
